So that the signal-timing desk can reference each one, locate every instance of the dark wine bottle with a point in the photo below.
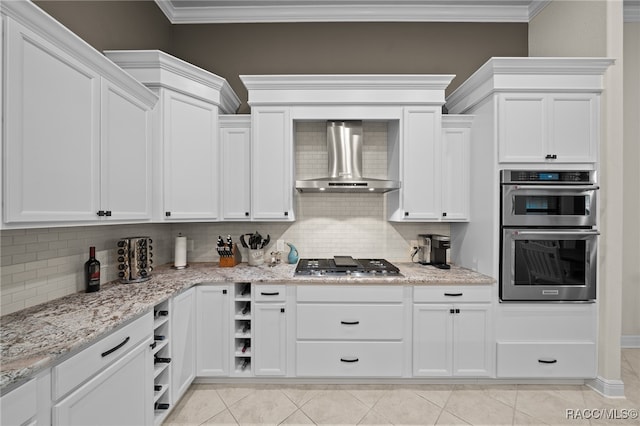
(246, 308)
(159, 360)
(246, 346)
(158, 337)
(246, 327)
(161, 406)
(92, 271)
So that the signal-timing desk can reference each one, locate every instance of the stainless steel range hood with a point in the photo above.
(344, 146)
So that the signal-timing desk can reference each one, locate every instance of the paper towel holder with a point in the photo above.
(177, 251)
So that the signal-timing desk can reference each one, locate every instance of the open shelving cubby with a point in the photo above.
(242, 330)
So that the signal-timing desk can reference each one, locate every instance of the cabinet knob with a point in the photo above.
(444, 214)
(282, 310)
(406, 214)
(100, 213)
(246, 214)
(107, 213)
(551, 157)
(167, 214)
(286, 213)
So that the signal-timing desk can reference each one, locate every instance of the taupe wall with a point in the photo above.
(230, 50)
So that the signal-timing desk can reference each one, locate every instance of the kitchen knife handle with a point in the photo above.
(350, 322)
(349, 359)
(453, 294)
(547, 361)
(115, 348)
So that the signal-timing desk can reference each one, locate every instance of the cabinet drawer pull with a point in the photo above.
(453, 294)
(271, 293)
(547, 361)
(350, 322)
(349, 359)
(115, 348)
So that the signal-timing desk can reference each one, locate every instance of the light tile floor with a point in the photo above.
(217, 404)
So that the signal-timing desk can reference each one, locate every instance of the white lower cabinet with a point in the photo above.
(350, 331)
(546, 341)
(110, 382)
(212, 330)
(119, 395)
(183, 343)
(269, 331)
(452, 339)
(20, 406)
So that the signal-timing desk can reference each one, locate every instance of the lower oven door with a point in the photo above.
(548, 265)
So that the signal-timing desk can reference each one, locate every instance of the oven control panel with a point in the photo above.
(548, 176)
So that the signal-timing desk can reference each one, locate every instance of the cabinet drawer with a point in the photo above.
(559, 360)
(350, 322)
(349, 359)
(80, 367)
(269, 293)
(338, 293)
(452, 294)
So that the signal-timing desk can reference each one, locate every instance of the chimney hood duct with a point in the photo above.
(344, 146)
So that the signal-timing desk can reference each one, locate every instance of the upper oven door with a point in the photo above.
(549, 205)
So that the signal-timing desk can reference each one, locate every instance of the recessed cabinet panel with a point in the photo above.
(522, 128)
(236, 170)
(574, 127)
(212, 329)
(472, 349)
(432, 340)
(455, 174)
(183, 359)
(420, 192)
(52, 132)
(191, 174)
(271, 164)
(126, 155)
(270, 342)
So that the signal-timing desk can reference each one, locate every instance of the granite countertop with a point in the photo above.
(41, 336)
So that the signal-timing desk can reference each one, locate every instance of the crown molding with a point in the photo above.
(155, 68)
(213, 12)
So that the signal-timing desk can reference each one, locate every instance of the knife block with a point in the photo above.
(228, 258)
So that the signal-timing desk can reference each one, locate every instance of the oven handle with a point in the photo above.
(576, 188)
(557, 232)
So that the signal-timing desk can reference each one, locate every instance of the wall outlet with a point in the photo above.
(280, 245)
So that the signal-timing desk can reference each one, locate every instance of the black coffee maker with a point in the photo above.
(439, 246)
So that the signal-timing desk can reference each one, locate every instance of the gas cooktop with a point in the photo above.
(346, 266)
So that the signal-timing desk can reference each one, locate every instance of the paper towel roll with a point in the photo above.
(180, 257)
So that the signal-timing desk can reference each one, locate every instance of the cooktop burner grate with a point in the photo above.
(346, 266)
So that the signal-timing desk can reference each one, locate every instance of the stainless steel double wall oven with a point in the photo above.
(549, 239)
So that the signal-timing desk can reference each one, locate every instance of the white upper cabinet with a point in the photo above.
(420, 165)
(456, 164)
(191, 170)
(76, 128)
(543, 127)
(235, 142)
(271, 164)
(186, 159)
(52, 143)
(125, 155)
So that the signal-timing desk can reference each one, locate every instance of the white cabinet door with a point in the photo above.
(19, 407)
(235, 139)
(125, 155)
(548, 127)
(452, 340)
(271, 164)
(521, 128)
(472, 346)
(52, 132)
(122, 394)
(419, 196)
(455, 174)
(212, 330)
(432, 340)
(270, 344)
(574, 127)
(191, 171)
(183, 359)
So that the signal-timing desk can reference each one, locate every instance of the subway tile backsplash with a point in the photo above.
(38, 265)
(43, 264)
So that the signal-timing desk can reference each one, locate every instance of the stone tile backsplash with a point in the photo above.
(38, 265)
